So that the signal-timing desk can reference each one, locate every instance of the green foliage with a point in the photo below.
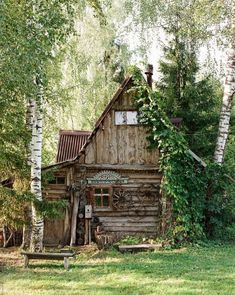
(184, 181)
(131, 240)
(185, 95)
(50, 209)
(90, 69)
(12, 205)
(220, 202)
(203, 198)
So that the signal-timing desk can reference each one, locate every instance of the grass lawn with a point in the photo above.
(207, 270)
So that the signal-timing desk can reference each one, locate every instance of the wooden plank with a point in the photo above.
(90, 153)
(128, 219)
(113, 149)
(138, 248)
(154, 175)
(57, 192)
(131, 147)
(55, 197)
(99, 141)
(143, 225)
(146, 181)
(142, 229)
(133, 167)
(141, 156)
(104, 149)
(121, 144)
(56, 187)
(41, 255)
(134, 212)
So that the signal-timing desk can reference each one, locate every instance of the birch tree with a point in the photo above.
(229, 90)
(36, 241)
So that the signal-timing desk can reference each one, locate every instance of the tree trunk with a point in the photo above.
(5, 239)
(36, 242)
(27, 228)
(225, 114)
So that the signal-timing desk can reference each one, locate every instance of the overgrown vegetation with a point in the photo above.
(197, 211)
(193, 97)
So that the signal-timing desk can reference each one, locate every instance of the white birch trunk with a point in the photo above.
(27, 228)
(36, 241)
(225, 114)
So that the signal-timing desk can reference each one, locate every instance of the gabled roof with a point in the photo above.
(70, 144)
(62, 161)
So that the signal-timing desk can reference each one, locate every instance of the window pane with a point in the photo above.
(120, 118)
(106, 201)
(105, 191)
(132, 118)
(52, 181)
(98, 201)
(60, 180)
(98, 191)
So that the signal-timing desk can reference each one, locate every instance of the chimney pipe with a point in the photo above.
(149, 74)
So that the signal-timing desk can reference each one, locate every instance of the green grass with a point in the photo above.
(208, 270)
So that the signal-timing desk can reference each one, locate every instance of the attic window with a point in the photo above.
(126, 118)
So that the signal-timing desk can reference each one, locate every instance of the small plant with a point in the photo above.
(131, 240)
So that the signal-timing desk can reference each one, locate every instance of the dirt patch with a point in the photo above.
(11, 256)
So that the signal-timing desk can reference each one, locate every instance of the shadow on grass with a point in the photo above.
(199, 271)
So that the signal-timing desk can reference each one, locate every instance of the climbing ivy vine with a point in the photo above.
(184, 179)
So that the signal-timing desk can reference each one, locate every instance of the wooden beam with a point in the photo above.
(121, 167)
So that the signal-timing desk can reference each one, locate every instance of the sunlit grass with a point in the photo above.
(209, 270)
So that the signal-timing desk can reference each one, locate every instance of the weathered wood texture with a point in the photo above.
(136, 207)
(139, 248)
(120, 144)
(57, 231)
(47, 256)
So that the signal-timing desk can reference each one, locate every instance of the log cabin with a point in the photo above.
(109, 177)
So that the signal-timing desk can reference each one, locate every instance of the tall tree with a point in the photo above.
(32, 32)
(225, 115)
(185, 95)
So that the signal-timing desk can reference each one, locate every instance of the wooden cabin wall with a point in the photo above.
(139, 213)
(123, 149)
(120, 144)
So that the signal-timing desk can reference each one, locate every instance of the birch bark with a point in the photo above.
(225, 114)
(36, 241)
(27, 228)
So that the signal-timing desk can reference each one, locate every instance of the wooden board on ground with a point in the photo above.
(139, 248)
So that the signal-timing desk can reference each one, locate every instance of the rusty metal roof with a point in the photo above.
(70, 144)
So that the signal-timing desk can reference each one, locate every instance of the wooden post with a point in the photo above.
(86, 232)
(66, 263)
(89, 231)
(26, 261)
(74, 220)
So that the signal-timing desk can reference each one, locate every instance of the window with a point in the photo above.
(126, 118)
(57, 180)
(102, 197)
